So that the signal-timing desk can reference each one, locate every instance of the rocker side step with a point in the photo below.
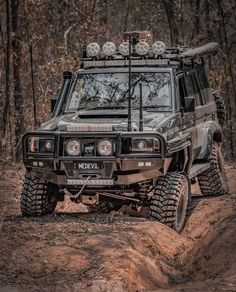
(198, 168)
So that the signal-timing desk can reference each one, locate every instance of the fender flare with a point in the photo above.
(211, 134)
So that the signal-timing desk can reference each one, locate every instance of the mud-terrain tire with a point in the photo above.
(37, 197)
(213, 181)
(170, 200)
(221, 112)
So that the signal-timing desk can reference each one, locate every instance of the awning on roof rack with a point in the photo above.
(210, 48)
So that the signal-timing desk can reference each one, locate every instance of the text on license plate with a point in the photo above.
(87, 165)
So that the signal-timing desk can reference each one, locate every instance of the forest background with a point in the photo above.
(39, 39)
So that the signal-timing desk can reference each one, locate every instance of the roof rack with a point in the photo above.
(175, 56)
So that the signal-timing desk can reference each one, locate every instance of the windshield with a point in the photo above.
(111, 90)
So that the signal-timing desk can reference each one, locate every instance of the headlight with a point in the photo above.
(73, 147)
(145, 144)
(105, 147)
(40, 145)
(49, 145)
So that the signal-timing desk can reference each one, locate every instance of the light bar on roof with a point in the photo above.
(109, 49)
(93, 50)
(158, 48)
(124, 62)
(142, 48)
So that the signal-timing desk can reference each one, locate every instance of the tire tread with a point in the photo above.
(34, 197)
(164, 202)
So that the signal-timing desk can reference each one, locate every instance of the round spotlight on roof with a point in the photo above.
(124, 48)
(158, 48)
(93, 50)
(109, 49)
(142, 48)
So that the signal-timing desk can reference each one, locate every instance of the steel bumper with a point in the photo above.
(113, 172)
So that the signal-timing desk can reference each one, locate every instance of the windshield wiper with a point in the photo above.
(113, 106)
(153, 106)
(87, 108)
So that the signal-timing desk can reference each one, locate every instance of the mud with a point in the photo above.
(73, 250)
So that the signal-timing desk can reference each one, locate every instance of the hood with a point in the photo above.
(152, 121)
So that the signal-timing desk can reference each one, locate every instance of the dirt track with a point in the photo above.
(74, 251)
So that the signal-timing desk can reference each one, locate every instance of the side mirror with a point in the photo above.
(189, 104)
(53, 103)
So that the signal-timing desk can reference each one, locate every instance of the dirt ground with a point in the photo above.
(76, 251)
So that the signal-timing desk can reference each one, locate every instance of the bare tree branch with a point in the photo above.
(66, 38)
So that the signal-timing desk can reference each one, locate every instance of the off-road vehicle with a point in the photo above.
(135, 125)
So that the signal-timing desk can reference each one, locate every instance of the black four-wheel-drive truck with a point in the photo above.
(134, 125)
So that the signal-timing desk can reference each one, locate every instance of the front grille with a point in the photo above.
(88, 147)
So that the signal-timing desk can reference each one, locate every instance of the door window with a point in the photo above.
(182, 90)
(193, 88)
(202, 77)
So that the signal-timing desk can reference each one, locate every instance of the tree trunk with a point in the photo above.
(104, 13)
(33, 85)
(228, 99)
(182, 29)
(16, 57)
(61, 7)
(127, 16)
(208, 33)
(226, 48)
(197, 17)
(174, 32)
(7, 71)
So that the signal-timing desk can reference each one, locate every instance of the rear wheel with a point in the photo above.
(38, 197)
(170, 200)
(213, 181)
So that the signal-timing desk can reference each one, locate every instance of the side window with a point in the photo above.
(189, 86)
(182, 90)
(193, 88)
(202, 77)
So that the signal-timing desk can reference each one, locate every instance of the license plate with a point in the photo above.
(87, 165)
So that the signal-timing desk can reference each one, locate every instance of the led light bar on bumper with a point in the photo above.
(92, 182)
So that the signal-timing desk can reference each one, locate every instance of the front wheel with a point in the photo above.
(38, 197)
(170, 200)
